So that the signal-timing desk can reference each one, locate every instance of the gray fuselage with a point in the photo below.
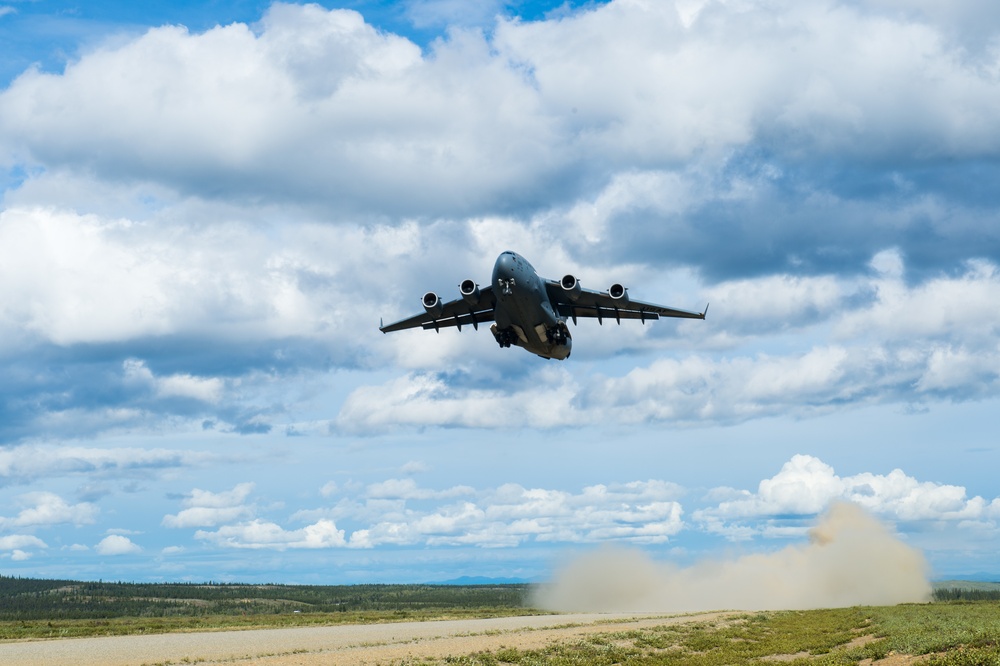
(524, 315)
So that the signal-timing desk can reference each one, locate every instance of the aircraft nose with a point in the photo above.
(505, 266)
(503, 272)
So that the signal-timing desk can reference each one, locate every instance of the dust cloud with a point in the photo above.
(851, 559)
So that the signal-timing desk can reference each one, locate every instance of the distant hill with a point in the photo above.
(484, 580)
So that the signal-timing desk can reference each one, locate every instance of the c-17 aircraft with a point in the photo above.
(530, 311)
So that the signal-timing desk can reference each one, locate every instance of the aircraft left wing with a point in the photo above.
(612, 304)
(460, 312)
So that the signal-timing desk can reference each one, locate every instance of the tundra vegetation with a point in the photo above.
(937, 634)
(961, 627)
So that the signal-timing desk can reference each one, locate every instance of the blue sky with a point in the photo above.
(207, 208)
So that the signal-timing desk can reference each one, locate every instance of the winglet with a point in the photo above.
(381, 327)
(705, 313)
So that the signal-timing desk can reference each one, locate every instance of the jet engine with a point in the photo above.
(618, 292)
(571, 286)
(470, 292)
(432, 303)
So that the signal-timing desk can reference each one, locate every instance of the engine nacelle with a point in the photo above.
(432, 304)
(618, 292)
(470, 292)
(571, 286)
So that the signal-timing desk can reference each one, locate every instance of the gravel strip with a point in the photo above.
(329, 646)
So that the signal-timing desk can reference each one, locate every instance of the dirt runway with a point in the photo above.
(328, 646)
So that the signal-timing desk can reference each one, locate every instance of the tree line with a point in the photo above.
(32, 599)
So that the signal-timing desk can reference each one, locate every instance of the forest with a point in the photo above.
(39, 599)
(36, 599)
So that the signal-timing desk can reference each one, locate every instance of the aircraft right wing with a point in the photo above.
(460, 312)
(612, 304)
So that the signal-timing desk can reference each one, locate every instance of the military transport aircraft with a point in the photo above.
(530, 311)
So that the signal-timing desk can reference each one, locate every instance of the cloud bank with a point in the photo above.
(200, 229)
(214, 218)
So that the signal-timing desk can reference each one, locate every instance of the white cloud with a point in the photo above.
(116, 544)
(227, 498)
(423, 400)
(20, 541)
(205, 517)
(770, 303)
(208, 509)
(946, 306)
(143, 280)
(414, 467)
(312, 83)
(178, 385)
(83, 273)
(33, 461)
(45, 508)
(398, 512)
(306, 107)
(259, 534)
(806, 486)
(509, 515)
(408, 489)
(693, 390)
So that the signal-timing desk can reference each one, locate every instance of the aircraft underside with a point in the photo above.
(547, 341)
(531, 312)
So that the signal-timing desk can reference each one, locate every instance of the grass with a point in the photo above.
(126, 626)
(940, 634)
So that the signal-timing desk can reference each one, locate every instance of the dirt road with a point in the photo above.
(327, 646)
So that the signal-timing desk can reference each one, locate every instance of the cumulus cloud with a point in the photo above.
(675, 148)
(414, 467)
(401, 513)
(17, 542)
(407, 489)
(639, 512)
(314, 79)
(207, 509)
(116, 544)
(422, 399)
(45, 508)
(233, 104)
(692, 390)
(953, 307)
(89, 278)
(178, 385)
(805, 485)
(260, 534)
